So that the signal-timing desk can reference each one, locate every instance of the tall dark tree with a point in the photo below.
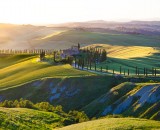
(104, 55)
(79, 46)
(42, 55)
(54, 56)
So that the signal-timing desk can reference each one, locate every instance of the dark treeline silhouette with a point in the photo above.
(27, 51)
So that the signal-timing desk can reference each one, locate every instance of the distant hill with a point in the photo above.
(133, 27)
(23, 36)
(62, 36)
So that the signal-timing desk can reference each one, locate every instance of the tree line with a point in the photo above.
(26, 51)
(75, 116)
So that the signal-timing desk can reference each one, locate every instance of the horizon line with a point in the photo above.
(86, 21)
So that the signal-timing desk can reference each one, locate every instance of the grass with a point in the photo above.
(7, 60)
(107, 99)
(50, 38)
(87, 89)
(129, 57)
(53, 34)
(23, 70)
(23, 118)
(87, 38)
(120, 94)
(115, 124)
(125, 52)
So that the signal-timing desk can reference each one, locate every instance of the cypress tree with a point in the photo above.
(75, 61)
(90, 64)
(79, 46)
(144, 71)
(136, 70)
(104, 55)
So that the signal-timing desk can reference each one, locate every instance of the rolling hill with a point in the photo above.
(125, 52)
(20, 69)
(23, 118)
(24, 36)
(34, 37)
(128, 99)
(129, 57)
(23, 76)
(71, 93)
(114, 124)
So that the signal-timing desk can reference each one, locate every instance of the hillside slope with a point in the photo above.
(23, 118)
(86, 37)
(115, 124)
(28, 69)
(24, 36)
(128, 99)
(71, 93)
(33, 37)
(126, 52)
(129, 57)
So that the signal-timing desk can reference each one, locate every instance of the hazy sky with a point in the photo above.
(60, 11)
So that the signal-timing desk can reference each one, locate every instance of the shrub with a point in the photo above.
(45, 106)
(7, 103)
(79, 116)
(25, 104)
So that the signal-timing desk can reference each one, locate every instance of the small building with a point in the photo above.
(74, 50)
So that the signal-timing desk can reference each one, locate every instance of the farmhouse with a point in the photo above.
(74, 50)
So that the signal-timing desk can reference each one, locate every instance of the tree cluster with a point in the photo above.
(69, 118)
(89, 56)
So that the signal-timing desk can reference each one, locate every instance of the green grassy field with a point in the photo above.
(88, 38)
(19, 69)
(7, 60)
(23, 118)
(131, 64)
(129, 58)
(115, 124)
